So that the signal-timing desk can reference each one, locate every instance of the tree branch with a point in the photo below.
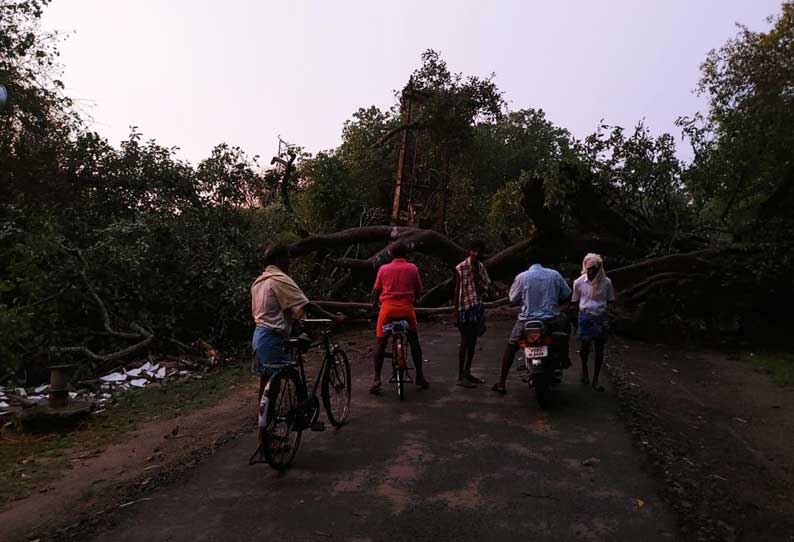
(420, 311)
(40, 301)
(103, 357)
(391, 133)
(142, 334)
(691, 262)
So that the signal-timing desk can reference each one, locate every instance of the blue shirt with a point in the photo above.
(540, 291)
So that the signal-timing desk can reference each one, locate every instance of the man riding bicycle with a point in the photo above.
(540, 291)
(396, 287)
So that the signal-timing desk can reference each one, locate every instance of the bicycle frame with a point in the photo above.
(402, 337)
(397, 333)
(303, 407)
(329, 347)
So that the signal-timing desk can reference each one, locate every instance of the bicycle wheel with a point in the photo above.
(399, 360)
(337, 389)
(283, 433)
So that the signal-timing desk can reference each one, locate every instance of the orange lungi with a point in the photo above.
(395, 309)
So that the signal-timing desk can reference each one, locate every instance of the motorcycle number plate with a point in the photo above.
(534, 352)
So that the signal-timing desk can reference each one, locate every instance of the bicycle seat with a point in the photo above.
(302, 342)
(397, 326)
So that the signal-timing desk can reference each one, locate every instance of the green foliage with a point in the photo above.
(228, 178)
(779, 366)
(453, 104)
(167, 244)
(640, 175)
(518, 141)
(743, 169)
(330, 201)
(507, 221)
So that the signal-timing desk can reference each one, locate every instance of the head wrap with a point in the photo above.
(590, 260)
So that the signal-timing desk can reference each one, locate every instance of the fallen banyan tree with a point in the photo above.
(684, 291)
(697, 289)
(637, 284)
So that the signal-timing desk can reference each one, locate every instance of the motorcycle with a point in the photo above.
(544, 355)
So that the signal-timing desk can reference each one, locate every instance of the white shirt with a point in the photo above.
(593, 301)
(276, 302)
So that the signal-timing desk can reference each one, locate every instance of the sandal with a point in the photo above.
(474, 379)
(498, 388)
(376, 389)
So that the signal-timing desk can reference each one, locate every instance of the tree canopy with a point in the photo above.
(171, 247)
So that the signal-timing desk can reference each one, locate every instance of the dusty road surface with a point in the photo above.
(447, 464)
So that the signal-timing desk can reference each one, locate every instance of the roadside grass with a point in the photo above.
(28, 461)
(780, 367)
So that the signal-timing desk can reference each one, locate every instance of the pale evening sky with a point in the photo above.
(194, 73)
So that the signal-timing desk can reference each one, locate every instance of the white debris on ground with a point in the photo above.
(109, 387)
(118, 382)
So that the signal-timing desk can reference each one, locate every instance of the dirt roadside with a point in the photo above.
(719, 435)
(97, 485)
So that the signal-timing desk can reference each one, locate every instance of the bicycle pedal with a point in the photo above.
(317, 426)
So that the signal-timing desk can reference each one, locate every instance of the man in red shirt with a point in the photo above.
(397, 286)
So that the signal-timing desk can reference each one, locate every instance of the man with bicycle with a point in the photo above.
(397, 286)
(276, 302)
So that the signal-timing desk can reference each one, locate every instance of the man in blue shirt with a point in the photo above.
(540, 292)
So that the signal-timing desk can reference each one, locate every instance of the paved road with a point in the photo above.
(447, 464)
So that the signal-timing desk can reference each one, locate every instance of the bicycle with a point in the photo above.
(287, 408)
(398, 332)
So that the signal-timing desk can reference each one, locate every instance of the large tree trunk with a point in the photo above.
(420, 240)
(351, 306)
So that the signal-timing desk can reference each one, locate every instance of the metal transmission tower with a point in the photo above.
(420, 190)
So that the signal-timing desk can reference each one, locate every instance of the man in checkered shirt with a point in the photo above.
(471, 284)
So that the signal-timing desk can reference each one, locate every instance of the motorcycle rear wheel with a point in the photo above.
(542, 389)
